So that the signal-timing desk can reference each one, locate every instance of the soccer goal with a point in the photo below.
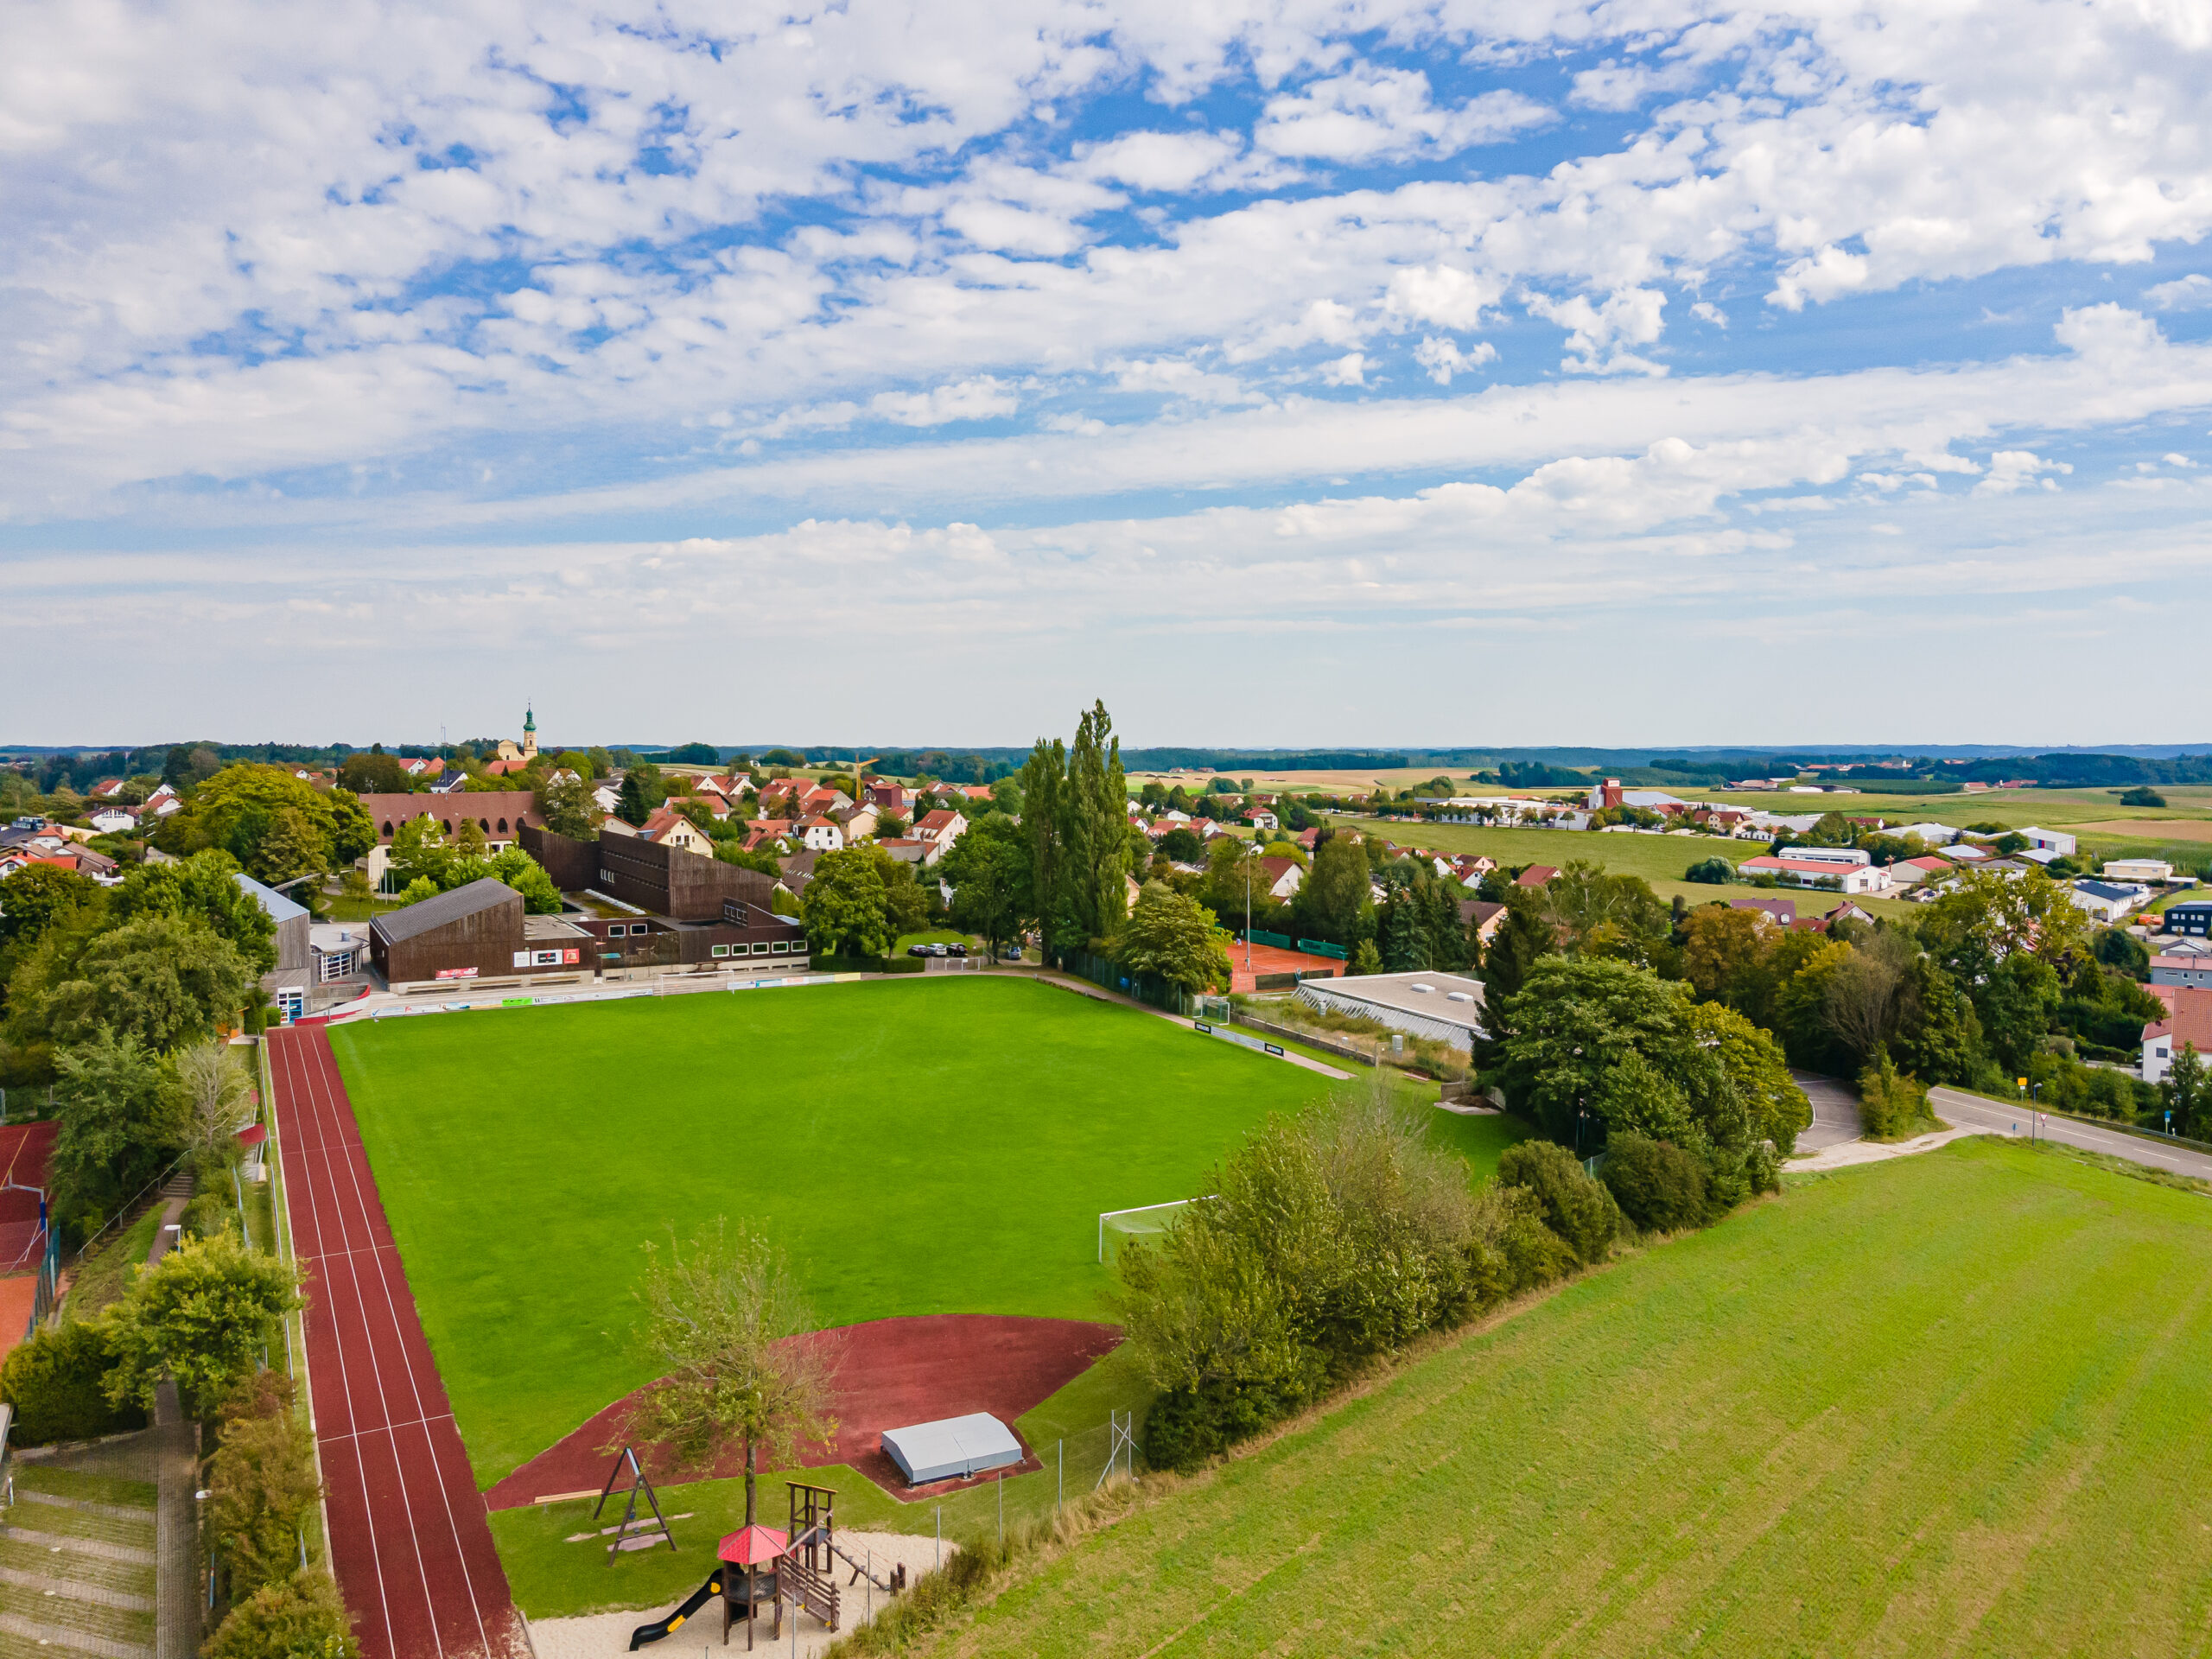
(1141, 1222)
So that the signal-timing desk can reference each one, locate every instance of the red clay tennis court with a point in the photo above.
(409, 1541)
(1273, 959)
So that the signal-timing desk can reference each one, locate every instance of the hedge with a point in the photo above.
(53, 1382)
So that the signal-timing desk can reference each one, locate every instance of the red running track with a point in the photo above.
(408, 1536)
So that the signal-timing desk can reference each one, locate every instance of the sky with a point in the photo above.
(1308, 374)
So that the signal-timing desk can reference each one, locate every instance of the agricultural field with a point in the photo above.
(1659, 859)
(1948, 1404)
(929, 1144)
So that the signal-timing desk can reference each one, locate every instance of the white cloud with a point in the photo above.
(1598, 333)
(2015, 469)
(1372, 113)
(1705, 311)
(1350, 369)
(2190, 293)
(1443, 359)
(980, 399)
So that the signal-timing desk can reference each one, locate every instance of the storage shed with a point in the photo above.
(951, 1448)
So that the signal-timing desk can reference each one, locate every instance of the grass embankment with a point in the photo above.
(931, 1144)
(1952, 1403)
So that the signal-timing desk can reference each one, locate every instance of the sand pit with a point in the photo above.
(605, 1635)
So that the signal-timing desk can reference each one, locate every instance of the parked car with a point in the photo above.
(917, 949)
(939, 951)
(957, 949)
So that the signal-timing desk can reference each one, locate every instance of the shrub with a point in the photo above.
(1658, 1186)
(261, 1483)
(1892, 1105)
(1573, 1206)
(298, 1618)
(1717, 872)
(56, 1383)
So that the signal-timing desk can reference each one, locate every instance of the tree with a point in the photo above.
(1096, 805)
(1759, 1071)
(1939, 1034)
(1335, 898)
(201, 1315)
(1716, 871)
(372, 772)
(1172, 937)
(1573, 1206)
(631, 805)
(1599, 914)
(2014, 1003)
(1365, 958)
(160, 979)
(1043, 785)
(208, 1088)
(167, 979)
(1722, 951)
(2186, 1093)
(204, 886)
(1182, 846)
(1801, 999)
(844, 905)
(32, 896)
(289, 849)
(239, 805)
(739, 1357)
(113, 1130)
(527, 877)
(989, 870)
(189, 765)
(2142, 797)
(1523, 938)
(419, 853)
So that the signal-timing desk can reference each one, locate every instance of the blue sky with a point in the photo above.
(1298, 374)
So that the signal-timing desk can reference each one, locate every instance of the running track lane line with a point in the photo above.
(410, 1543)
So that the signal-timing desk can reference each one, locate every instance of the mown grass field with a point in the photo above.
(1953, 1404)
(929, 1144)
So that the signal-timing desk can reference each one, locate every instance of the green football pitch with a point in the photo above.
(922, 1146)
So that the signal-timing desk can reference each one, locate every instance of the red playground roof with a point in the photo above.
(253, 1135)
(751, 1546)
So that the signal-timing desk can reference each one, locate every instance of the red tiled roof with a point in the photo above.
(2189, 1017)
(1534, 876)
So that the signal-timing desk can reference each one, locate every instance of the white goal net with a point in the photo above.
(1114, 1225)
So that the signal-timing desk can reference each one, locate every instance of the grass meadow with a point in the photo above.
(1950, 1404)
(929, 1144)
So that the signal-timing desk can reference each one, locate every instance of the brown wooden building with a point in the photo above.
(475, 932)
(665, 881)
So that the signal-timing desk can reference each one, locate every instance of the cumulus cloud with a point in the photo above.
(2190, 293)
(1443, 359)
(2015, 469)
(1372, 113)
(1598, 334)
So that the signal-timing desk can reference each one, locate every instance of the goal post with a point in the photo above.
(1144, 1219)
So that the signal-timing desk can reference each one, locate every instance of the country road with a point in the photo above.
(1974, 1112)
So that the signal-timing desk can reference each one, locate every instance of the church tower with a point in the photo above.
(529, 733)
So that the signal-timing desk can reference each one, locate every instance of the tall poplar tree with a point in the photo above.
(1043, 785)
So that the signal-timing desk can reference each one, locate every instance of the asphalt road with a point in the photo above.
(1972, 1111)
(1836, 1112)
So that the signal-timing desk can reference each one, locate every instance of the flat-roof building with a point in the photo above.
(1442, 1007)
